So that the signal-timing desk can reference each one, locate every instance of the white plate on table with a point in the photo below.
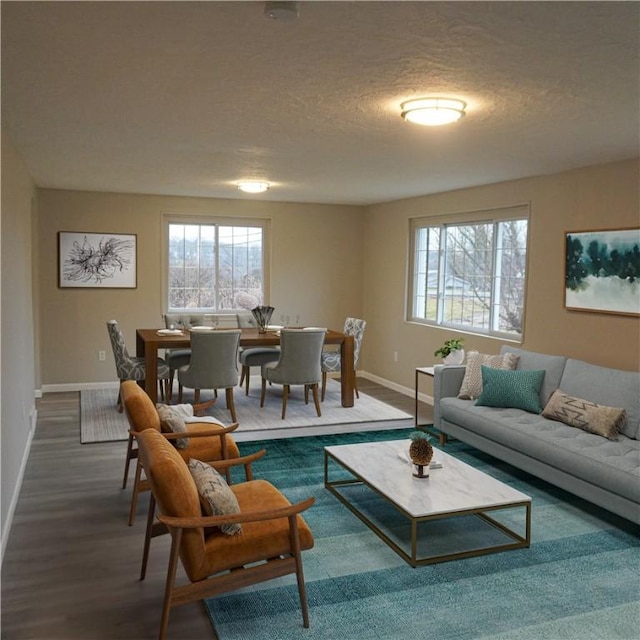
(169, 332)
(202, 329)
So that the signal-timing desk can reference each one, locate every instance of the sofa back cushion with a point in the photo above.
(609, 387)
(530, 360)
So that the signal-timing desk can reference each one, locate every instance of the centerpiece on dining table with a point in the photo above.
(262, 314)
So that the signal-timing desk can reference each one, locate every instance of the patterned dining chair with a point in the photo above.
(331, 360)
(132, 367)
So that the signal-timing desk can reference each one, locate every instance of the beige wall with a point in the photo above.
(316, 271)
(17, 349)
(605, 196)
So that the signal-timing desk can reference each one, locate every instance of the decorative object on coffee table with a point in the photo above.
(451, 351)
(420, 452)
(262, 314)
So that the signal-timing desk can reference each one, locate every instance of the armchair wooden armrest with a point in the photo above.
(224, 465)
(246, 516)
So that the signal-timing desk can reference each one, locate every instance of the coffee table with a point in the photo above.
(439, 518)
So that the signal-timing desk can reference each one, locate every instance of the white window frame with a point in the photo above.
(167, 219)
(418, 274)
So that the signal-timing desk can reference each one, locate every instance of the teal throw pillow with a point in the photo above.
(511, 389)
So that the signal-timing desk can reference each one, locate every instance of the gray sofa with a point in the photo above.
(605, 472)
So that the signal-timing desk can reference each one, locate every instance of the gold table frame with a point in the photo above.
(518, 541)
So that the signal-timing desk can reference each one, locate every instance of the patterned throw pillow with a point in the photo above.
(511, 389)
(215, 495)
(586, 415)
(172, 422)
(471, 386)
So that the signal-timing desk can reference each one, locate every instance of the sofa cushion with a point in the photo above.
(552, 365)
(215, 494)
(511, 389)
(610, 464)
(610, 387)
(586, 415)
(471, 386)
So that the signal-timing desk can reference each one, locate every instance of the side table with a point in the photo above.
(430, 372)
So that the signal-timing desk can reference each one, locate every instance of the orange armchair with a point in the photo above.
(269, 545)
(207, 441)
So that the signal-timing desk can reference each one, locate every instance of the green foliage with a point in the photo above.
(419, 435)
(455, 344)
(598, 261)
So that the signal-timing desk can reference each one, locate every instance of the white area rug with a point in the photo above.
(101, 422)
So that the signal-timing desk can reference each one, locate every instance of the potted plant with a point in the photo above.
(420, 452)
(451, 352)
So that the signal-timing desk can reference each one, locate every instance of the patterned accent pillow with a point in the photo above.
(586, 415)
(471, 386)
(172, 422)
(511, 389)
(216, 497)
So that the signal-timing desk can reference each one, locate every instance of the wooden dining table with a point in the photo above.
(149, 342)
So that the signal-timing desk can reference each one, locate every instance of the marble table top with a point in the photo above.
(455, 487)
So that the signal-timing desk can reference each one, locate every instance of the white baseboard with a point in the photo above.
(6, 529)
(80, 386)
(77, 386)
(407, 391)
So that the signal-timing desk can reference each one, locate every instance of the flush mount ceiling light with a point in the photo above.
(252, 186)
(433, 112)
(282, 11)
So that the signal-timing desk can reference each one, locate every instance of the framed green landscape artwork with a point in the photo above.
(602, 271)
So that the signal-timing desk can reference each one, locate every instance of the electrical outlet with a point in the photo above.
(395, 356)
(102, 356)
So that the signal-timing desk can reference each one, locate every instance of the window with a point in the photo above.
(215, 266)
(470, 274)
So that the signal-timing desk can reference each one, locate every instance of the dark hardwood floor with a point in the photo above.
(71, 565)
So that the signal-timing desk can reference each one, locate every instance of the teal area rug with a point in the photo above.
(579, 580)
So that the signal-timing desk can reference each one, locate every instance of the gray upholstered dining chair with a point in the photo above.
(132, 367)
(299, 364)
(253, 356)
(177, 358)
(331, 360)
(213, 365)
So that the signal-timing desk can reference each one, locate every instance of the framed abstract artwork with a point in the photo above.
(602, 271)
(97, 260)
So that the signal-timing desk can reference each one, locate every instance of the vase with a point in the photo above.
(455, 357)
(421, 453)
(262, 315)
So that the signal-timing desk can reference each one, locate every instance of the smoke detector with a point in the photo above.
(282, 11)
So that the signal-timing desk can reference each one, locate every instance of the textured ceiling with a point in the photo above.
(186, 98)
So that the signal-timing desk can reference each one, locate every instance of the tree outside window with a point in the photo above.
(470, 275)
(215, 267)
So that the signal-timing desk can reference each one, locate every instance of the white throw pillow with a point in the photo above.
(471, 387)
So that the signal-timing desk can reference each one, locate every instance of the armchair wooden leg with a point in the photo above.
(134, 494)
(179, 393)
(285, 396)
(355, 386)
(297, 554)
(324, 384)
(131, 453)
(147, 537)
(176, 539)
